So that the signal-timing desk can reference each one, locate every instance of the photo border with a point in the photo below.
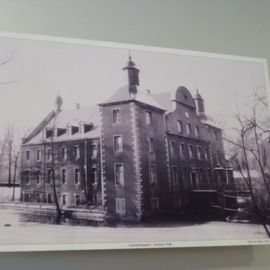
(137, 245)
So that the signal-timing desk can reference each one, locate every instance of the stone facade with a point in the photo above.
(136, 155)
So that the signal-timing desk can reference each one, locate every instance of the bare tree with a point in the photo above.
(249, 154)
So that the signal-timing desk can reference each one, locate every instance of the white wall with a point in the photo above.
(238, 27)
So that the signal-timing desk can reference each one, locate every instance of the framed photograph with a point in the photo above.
(120, 146)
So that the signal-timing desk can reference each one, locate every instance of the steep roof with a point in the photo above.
(123, 94)
(75, 117)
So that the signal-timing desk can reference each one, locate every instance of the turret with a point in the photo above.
(199, 103)
(133, 76)
(58, 104)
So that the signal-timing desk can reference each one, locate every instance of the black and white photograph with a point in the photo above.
(114, 146)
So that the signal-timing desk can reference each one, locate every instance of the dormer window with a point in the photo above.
(60, 131)
(49, 133)
(74, 130)
(116, 116)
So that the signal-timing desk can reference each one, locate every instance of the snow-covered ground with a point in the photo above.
(15, 232)
(6, 193)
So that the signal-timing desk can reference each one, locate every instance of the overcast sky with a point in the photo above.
(88, 75)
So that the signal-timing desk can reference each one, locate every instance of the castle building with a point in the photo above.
(134, 155)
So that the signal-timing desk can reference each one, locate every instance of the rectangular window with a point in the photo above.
(49, 176)
(94, 174)
(64, 153)
(95, 199)
(77, 176)
(93, 150)
(188, 127)
(116, 116)
(27, 177)
(182, 150)
(199, 152)
(27, 155)
(49, 154)
(77, 151)
(174, 176)
(38, 177)
(190, 152)
(117, 143)
(206, 154)
(154, 203)
(38, 155)
(197, 131)
(64, 199)
(63, 176)
(153, 174)
(49, 198)
(119, 174)
(151, 145)
(172, 148)
(179, 126)
(148, 118)
(77, 200)
(120, 206)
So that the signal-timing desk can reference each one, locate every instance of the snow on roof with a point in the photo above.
(143, 96)
(210, 122)
(75, 117)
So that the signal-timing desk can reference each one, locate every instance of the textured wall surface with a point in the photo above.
(238, 27)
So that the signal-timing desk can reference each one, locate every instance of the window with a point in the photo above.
(38, 155)
(182, 151)
(116, 116)
(49, 154)
(172, 148)
(187, 114)
(174, 176)
(194, 179)
(151, 145)
(120, 206)
(77, 200)
(154, 203)
(93, 150)
(206, 154)
(49, 198)
(63, 176)
(64, 199)
(119, 174)
(197, 131)
(179, 126)
(64, 153)
(27, 155)
(148, 118)
(77, 151)
(188, 127)
(117, 143)
(199, 152)
(27, 177)
(94, 174)
(153, 174)
(49, 176)
(190, 151)
(95, 199)
(77, 176)
(38, 177)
